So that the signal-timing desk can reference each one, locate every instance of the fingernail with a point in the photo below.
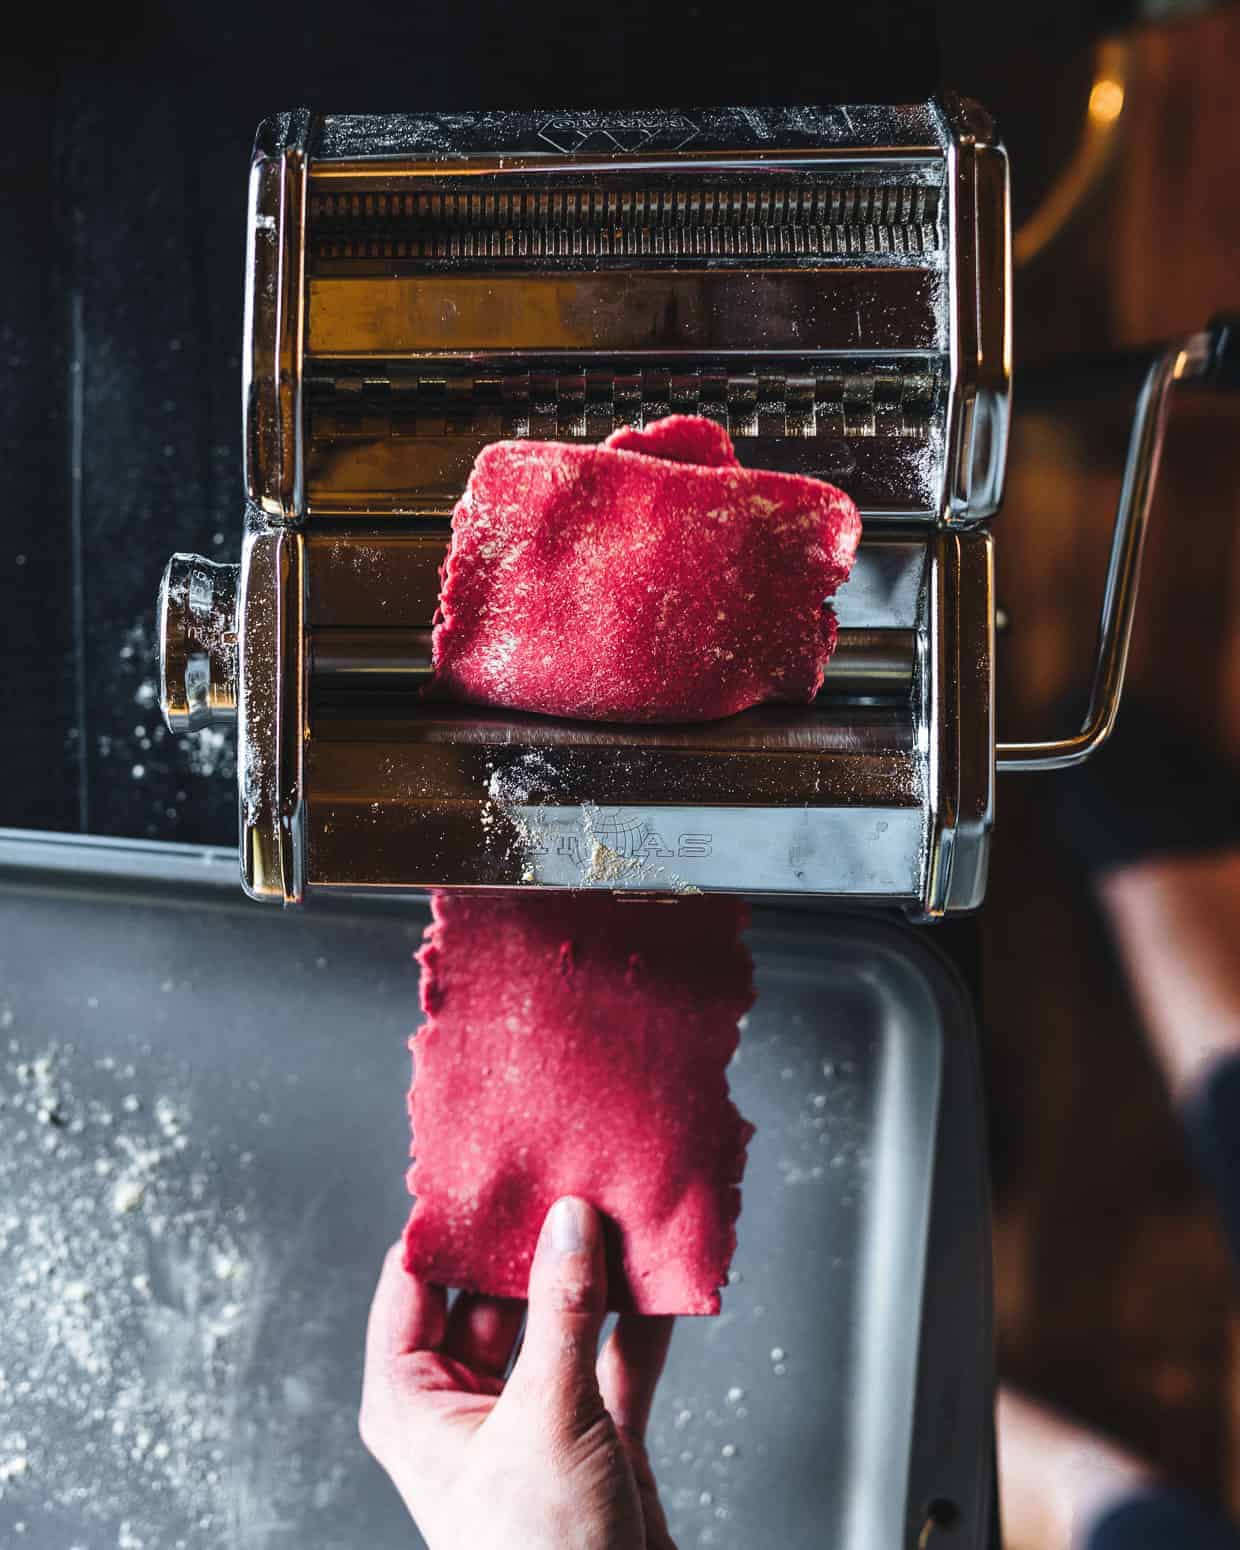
(568, 1226)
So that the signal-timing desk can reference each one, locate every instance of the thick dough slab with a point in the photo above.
(578, 1044)
(624, 583)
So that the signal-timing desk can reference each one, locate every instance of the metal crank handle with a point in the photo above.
(1210, 356)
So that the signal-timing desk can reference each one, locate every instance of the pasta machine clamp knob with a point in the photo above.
(198, 643)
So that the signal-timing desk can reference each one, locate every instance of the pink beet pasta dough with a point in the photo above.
(651, 578)
(578, 1044)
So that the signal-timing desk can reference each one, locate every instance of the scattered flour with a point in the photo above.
(212, 751)
(603, 847)
(147, 751)
(531, 776)
(609, 866)
(132, 1303)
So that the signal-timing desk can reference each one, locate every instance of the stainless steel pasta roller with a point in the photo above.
(829, 283)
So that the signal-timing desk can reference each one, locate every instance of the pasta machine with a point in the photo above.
(829, 283)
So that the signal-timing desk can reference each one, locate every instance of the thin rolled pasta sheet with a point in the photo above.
(578, 1043)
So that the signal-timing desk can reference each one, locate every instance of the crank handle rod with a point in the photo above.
(1210, 356)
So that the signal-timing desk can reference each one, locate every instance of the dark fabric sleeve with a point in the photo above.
(1212, 1120)
(1162, 1519)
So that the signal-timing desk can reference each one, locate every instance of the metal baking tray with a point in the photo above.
(202, 1149)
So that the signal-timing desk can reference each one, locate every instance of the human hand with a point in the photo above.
(552, 1459)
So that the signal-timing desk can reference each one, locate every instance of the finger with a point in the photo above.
(555, 1373)
(407, 1320)
(407, 1313)
(482, 1332)
(630, 1367)
(658, 1535)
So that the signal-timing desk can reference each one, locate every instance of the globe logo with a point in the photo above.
(625, 833)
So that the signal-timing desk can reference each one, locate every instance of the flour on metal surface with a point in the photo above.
(132, 1301)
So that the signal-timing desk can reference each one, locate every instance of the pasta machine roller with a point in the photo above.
(829, 283)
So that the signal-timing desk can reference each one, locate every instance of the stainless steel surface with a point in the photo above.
(431, 278)
(862, 853)
(371, 659)
(197, 628)
(981, 326)
(534, 219)
(885, 588)
(631, 310)
(464, 799)
(866, 663)
(267, 768)
(560, 140)
(961, 718)
(400, 438)
(808, 1414)
(34, 856)
(1190, 358)
(274, 326)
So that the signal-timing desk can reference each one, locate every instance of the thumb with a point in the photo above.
(555, 1373)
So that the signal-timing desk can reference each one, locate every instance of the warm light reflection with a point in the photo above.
(1088, 162)
(1106, 100)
